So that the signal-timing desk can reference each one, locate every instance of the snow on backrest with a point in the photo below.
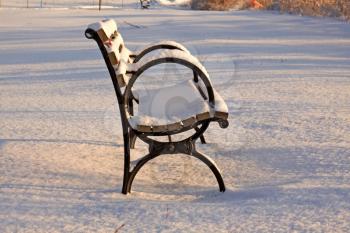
(118, 54)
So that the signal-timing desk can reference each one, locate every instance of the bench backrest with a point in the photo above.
(111, 43)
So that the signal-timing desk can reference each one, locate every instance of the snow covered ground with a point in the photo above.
(86, 4)
(285, 157)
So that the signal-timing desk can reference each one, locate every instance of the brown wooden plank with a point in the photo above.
(159, 128)
(221, 115)
(203, 116)
(121, 80)
(144, 128)
(189, 121)
(113, 58)
(102, 34)
(174, 126)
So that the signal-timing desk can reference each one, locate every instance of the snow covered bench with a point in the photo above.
(202, 103)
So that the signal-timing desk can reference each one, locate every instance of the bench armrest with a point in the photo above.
(160, 45)
(169, 56)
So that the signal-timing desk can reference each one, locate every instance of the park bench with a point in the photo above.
(203, 104)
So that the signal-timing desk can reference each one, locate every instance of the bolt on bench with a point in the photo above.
(203, 104)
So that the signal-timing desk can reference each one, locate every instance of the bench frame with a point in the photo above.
(157, 148)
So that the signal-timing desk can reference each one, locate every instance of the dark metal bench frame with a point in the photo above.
(156, 148)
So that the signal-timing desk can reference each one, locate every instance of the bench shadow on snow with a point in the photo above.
(69, 141)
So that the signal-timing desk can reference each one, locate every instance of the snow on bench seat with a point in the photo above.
(172, 108)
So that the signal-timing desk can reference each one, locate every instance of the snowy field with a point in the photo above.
(285, 157)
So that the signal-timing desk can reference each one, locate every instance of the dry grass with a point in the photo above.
(331, 8)
(218, 4)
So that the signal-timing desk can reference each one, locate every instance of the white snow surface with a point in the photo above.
(165, 106)
(285, 157)
(109, 26)
(174, 2)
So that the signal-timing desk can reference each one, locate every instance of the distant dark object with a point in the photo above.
(145, 4)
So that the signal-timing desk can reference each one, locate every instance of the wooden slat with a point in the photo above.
(221, 115)
(166, 128)
(203, 116)
(174, 126)
(102, 34)
(144, 128)
(121, 80)
(113, 58)
(159, 128)
(189, 122)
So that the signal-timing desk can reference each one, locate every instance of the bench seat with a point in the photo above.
(163, 109)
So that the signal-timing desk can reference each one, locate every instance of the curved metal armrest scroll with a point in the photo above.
(90, 33)
(223, 123)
